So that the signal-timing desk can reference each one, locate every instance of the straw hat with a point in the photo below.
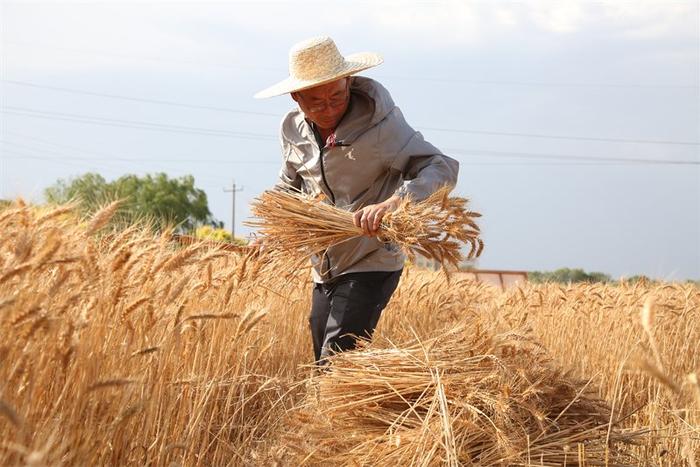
(317, 61)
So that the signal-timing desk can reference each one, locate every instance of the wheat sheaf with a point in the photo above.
(297, 226)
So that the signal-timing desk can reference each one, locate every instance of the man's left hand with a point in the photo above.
(370, 217)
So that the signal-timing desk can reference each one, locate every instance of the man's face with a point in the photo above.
(326, 104)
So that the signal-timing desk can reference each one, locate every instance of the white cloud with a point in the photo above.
(649, 20)
(451, 22)
(74, 37)
(59, 36)
(506, 16)
(560, 16)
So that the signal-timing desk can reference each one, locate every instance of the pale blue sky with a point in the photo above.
(576, 76)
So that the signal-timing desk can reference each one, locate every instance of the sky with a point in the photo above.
(576, 123)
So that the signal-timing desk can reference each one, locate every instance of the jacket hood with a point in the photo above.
(376, 96)
(370, 103)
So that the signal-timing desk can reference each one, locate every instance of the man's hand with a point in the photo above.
(370, 217)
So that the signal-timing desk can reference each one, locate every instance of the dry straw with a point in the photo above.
(299, 226)
(469, 397)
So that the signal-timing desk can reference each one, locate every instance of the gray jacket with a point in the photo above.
(375, 152)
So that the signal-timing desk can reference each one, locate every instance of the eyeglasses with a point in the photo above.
(332, 103)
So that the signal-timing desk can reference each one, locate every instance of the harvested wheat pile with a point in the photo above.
(467, 397)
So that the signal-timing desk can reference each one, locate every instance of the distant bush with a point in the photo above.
(566, 276)
(640, 279)
(207, 232)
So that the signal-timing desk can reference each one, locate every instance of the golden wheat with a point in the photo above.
(298, 226)
(209, 366)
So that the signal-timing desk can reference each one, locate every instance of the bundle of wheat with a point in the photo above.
(299, 226)
(467, 397)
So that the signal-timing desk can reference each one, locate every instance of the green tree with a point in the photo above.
(91, 189)
(157, 199)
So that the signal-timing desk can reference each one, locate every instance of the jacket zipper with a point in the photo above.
(323, 176)
(321, 147)
(325, 182)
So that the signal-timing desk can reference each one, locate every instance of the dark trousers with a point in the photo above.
(347, 308)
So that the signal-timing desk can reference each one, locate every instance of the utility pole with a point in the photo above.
(233, 191)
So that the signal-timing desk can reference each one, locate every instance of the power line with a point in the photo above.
(139, 99)
(53, 143)
(147, 125)
(101, 155)
(108, 162)
(125, 159)
(536, 83)
(462, 151)
(61, 146)
(576, 160)
(526, 155)
(578, 138)
(146, 160)
(101, 165)
(467, 163)
(411, 77)
(103, 53)
(25, 112)
(93, 163)
(143, 161)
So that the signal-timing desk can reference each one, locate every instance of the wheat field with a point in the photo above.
(121, 348)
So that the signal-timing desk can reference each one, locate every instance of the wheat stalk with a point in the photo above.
(102, 217)
(298, 226)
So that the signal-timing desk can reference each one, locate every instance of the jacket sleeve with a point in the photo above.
(423, 165)
(289, 179)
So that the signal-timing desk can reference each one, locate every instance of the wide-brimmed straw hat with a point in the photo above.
(317, 61)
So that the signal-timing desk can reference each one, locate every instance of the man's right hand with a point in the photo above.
(370, 217)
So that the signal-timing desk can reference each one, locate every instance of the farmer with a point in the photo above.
(348, 141)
